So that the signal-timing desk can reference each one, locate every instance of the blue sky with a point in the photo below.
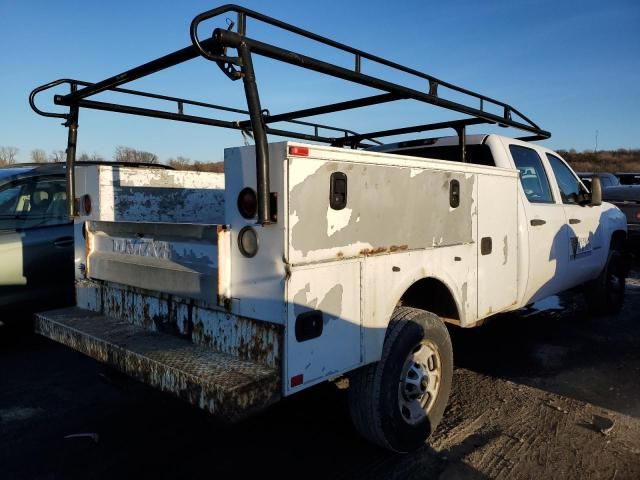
(572, 67)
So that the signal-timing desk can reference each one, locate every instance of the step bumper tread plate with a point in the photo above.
(222, 384)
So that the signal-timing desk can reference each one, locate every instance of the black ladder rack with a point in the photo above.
(239, 67)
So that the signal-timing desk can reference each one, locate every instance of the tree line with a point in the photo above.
(122, 154)
(620, 160)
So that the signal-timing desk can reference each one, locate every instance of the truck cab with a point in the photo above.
(564, 239)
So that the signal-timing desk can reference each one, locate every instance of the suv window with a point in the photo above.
(34, 202)
(569, 185)
(532, 175)
(607, 180)
(9, 199)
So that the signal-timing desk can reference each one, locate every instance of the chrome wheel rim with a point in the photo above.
(420, 381)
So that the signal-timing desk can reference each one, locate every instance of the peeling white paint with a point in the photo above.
(322, 233)
(152, 195)
(137, 177)
(302, 170)
(338, 219)
(293, 220)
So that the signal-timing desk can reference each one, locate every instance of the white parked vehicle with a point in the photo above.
(316, 262)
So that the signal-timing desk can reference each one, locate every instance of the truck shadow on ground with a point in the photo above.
(563, 349)
(50, 392)
(143, 433)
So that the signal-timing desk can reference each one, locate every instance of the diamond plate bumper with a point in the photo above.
(221, 384)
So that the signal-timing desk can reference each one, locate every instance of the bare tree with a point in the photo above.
(94, 157)
(58, 156)
(38, 156)
(184, 163)
(131, 155)
(8, 155)
(180, 163)
(148, 157)
(214, 167)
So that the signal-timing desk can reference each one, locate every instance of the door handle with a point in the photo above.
(536, 222)
(573, 221)
(63, 242)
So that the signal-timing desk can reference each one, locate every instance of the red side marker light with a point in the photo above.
(299, 151)
(297, 380)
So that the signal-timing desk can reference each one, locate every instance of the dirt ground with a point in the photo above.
(537, 394)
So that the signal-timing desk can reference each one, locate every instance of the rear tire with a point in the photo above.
(605, 294)
(398, 402)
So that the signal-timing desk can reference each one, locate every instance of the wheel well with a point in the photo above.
(618, 240)
(432, 295)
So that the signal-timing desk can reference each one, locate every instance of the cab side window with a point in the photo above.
(532, 175)
(570, 188)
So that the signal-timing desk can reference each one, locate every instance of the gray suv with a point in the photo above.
(36, 239)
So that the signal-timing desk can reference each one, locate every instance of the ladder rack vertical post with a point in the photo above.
(259, 134)
(72, 139)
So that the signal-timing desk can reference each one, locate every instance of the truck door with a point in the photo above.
(585, 252)
(545, 224)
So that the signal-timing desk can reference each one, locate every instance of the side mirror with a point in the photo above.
(596, 191)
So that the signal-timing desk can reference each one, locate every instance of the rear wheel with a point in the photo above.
(605, 294)
(399, 401)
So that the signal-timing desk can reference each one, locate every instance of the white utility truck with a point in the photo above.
(306, 262)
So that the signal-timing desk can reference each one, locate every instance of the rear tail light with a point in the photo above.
(248, 203)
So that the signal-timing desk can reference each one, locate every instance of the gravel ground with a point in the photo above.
(537, 394)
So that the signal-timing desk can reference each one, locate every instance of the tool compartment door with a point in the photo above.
(497, 243)
(331, 293)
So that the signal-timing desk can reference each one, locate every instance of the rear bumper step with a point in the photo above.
(221, 384)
